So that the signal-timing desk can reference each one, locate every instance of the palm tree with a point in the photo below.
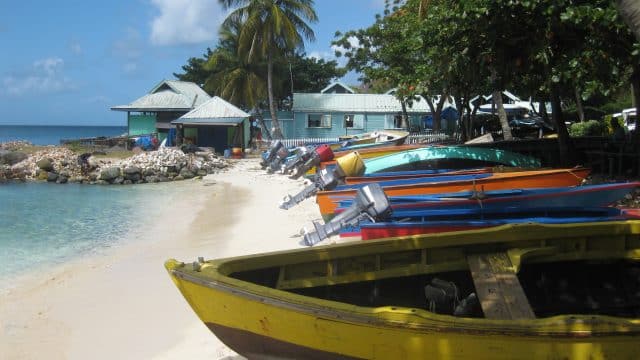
(271, 28)
(630, 12)
(232, 77)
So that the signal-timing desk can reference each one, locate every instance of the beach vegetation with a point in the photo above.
(271, 29)
(560, 52)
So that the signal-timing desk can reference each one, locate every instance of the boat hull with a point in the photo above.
(448, 157)
(497, 181)
(258, 321)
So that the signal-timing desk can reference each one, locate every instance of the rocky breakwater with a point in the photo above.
(61, 165)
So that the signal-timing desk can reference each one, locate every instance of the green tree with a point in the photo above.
(630, 13)
(194, 70)
(233, 77)
(270, 29)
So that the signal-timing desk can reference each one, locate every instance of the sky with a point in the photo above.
(68, 62)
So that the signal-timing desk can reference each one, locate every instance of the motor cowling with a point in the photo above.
(370, 203)
(270, 154)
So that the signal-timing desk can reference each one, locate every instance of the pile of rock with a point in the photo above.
(163, 165)
(61, 165)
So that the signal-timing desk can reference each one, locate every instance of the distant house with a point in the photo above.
(165, 102)
(337, 110)
(215, 123)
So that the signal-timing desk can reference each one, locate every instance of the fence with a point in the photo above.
(427, 137)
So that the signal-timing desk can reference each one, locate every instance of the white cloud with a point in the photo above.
(44, 76)
(185, 21)
(75, 48)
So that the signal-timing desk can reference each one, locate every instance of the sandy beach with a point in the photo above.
(121, 304)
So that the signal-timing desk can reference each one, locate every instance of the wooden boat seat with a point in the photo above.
(497, 286)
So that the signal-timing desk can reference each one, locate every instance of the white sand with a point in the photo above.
(123, 305)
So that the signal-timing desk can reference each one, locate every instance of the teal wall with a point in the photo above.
(142, 124)
(294, 125)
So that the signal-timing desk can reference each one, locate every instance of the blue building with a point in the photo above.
(337, 110)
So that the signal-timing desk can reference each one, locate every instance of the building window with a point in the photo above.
(393, 122)
(352, 121)
(318, 120)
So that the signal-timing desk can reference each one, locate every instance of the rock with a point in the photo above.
(186, 173)
(62, 179)
(109, 173)
(45, 164)
(12, 157)
(127, 182)
(76, 179)
(42, 175)
(202, 172)
(132, 170)
(102, 182)
(178, 178)
(52, 177)
(119, 180)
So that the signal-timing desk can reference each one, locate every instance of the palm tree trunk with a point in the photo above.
(630, 12)
(277, 131)
(502, 115)
(564, 141)
(635, 84)
(579, 107)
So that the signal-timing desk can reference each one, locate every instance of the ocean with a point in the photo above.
(52, 134)
(45, 225)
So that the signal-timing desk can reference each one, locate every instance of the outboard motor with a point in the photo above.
(303, 154)
(270, 154)
(328, 179)
(320, 154)
(370, 203)
(325, 180)
(281, 155)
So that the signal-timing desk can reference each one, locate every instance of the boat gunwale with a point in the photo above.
(394, 316)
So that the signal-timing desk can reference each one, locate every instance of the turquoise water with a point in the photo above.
(45, 224)
(51, 135)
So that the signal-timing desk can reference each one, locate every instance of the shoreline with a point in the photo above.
(122, 304)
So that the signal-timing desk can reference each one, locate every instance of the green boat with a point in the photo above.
(448, 157)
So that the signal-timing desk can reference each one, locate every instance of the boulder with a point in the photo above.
(52, 177)
(186, 173)
(62, 179)
(110, 173)
(119, 180)
(12, 157)
(42, 175)
(45, 164)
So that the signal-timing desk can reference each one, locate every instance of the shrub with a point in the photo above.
(587, 128)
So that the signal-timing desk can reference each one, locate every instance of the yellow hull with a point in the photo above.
(260, 321)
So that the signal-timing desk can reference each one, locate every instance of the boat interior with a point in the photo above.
(582, 274)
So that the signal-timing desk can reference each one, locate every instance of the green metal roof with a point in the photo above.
(215, 111)
(361, 103)
(168, 95)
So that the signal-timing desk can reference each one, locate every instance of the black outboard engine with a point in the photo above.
(370, 203)
(325, 180)
(281, 156)
(302, 168)
(303, 154)
(271, 153)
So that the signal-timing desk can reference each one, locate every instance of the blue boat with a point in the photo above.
(572, 196)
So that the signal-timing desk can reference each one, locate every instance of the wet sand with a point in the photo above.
(122, 305)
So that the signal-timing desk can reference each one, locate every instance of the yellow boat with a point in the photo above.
(515, 292)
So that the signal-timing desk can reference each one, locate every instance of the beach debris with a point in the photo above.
(61, 165)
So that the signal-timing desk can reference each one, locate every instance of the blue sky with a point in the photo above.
(67, 62)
